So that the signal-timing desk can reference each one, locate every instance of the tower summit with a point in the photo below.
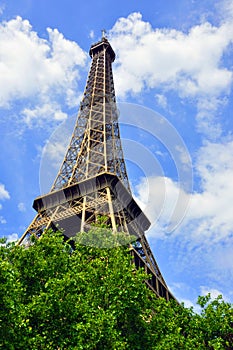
(92, 180)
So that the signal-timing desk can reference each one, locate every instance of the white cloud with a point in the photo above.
(21, 207)
(2, 8)
(2, 220)
(4, 194)
(164, 202)
(207, 108)
(214, 293)
(12, 238)
(227, 9)
(188, 303)
(40, 114)
(55, 151)
(213, 205)
(209, 215)
(92, 34)
(37, 69)
(161, 101)
(190, 64)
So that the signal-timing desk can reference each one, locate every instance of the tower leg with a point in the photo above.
(83, 214)
(111, 211)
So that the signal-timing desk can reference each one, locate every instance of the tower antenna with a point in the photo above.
(104, 32)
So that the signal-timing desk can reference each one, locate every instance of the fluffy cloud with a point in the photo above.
(4, 194)
(213, 205)
(145, 54)
(12, 238)
(37, 69)
(41, 113)
(161, 101)
(190, 64)
(55, 151)
(164, 202)
(2, 220)
(21, 207)
(213, 292)
(207, 213)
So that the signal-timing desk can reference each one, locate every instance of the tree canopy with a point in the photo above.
(55, 297)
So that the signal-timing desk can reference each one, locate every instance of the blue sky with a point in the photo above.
(173, 78)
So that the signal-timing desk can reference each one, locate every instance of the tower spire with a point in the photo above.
(104, 32)
(92, 179)
(95, 145)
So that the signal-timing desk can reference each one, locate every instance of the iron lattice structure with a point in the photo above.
(92, 180)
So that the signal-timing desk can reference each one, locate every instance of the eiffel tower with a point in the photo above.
(92, 180)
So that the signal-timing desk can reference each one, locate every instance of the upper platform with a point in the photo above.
(100, 46)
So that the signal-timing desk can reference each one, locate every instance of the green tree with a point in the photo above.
(55, 297)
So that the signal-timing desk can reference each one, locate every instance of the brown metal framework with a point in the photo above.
(92, 180)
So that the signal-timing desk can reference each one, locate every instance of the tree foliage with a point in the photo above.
(55, 297)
